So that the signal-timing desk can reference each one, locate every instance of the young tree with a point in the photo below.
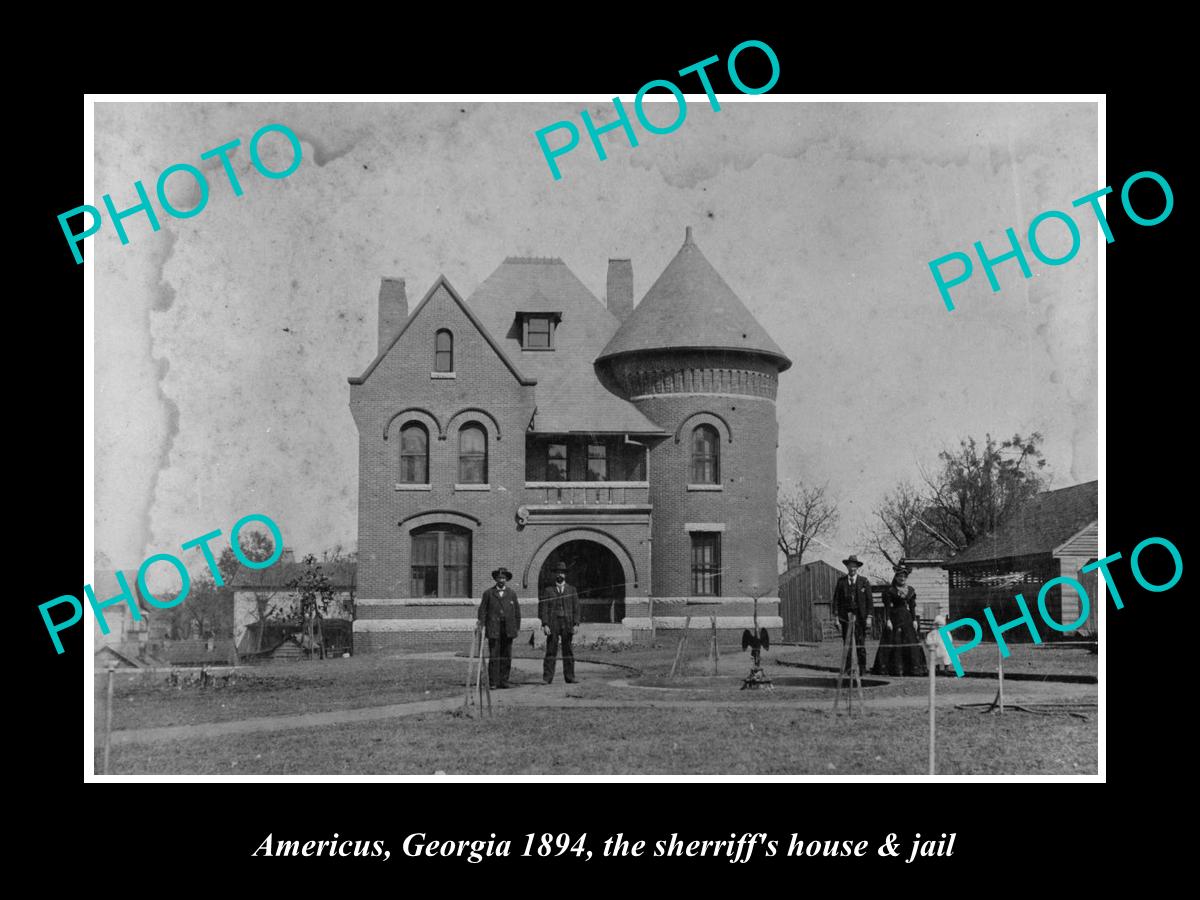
(804, 515)
(977, 489)
(314, 594)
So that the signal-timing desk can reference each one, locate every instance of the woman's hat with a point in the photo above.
(852, 561)
(496, 573)
(902, 568)
(559, 567)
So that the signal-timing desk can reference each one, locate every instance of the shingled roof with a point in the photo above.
(1046, 521)
(690, 306)
(569, 396)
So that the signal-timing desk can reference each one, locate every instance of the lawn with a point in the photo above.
(145, 700)
(641, 741)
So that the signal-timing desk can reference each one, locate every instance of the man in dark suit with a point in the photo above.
(500, 616)
(558, 609)
(852, 594)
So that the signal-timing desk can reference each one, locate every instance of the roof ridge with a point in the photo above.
(535, 260)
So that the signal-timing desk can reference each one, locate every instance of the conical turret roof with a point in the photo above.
(691, 307)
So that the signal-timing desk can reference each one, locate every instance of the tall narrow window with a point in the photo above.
(705, 455)
(443, 351)
(597, 462)
(414, 454)
(556, 462)
(472, 455)
(441, 562)
(706, 563)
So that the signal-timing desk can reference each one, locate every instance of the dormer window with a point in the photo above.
(537, 330)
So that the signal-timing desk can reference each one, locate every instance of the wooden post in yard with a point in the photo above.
(717, 651)
(108, 718)
(929, 664)
(1000, 677)
(470, 666)
(687, 624)
(653, 633)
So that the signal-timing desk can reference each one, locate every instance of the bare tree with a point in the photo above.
(902, 528)
(805, 514)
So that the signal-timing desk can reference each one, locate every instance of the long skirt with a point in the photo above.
(900, 651)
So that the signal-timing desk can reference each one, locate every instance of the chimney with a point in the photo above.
(393, 310)
(620, 288)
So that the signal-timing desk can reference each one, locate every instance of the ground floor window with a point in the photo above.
(706, 564)
(441, 562)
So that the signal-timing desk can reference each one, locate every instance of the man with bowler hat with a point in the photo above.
(500, 615)
(852, 594)
(558, 609)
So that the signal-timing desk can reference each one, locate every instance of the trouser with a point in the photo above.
(860, 638)
(557, 630)
(499, 658)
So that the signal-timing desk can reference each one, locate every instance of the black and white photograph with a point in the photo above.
(534, 437)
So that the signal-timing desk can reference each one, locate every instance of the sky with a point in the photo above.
(224, 340)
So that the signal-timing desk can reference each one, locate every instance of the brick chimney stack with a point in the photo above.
(393, 310)
(620, 288)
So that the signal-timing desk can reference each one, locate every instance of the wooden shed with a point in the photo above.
(805, 592)
(1054, 534)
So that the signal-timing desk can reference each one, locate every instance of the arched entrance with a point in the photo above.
(595, 573)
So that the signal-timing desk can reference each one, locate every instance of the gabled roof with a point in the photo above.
(569, 396)
(1045, 522)
(443, 282)
(691, 307)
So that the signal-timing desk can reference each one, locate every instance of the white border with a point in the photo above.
(89, 194)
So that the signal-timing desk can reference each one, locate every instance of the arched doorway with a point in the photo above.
(595, 573)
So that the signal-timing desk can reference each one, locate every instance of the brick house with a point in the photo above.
(533, 424)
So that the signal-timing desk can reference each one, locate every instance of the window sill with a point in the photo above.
(706, 487)
(537, 349)
(414, 487)
(472, 487)
(443, 374)
(587, 484)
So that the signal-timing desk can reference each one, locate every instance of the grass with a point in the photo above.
(280, 689)
(1045, 659)
(641, 741)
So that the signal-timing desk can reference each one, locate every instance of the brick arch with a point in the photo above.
(414, 409)
(548, 546)
(434, 516)
(474, 409)
(707, 415)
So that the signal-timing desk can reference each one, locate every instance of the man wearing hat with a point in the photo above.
(500, 615)
(852, 594)
(558, 609)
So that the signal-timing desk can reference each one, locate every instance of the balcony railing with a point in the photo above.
(587, 493)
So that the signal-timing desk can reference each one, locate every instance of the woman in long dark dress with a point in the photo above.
(900, 651)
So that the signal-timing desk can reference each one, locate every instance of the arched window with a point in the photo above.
(414, 454)
(443, 351)
(441, 562)
(472, 454)
(706, 455)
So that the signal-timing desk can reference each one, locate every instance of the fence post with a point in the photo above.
(929, 664)
(108, 718)
(1000, 677)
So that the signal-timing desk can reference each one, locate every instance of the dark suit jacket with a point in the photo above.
(852, 598)
(496, 608)
(565, 608)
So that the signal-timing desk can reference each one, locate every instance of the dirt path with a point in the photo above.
(553, 696)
